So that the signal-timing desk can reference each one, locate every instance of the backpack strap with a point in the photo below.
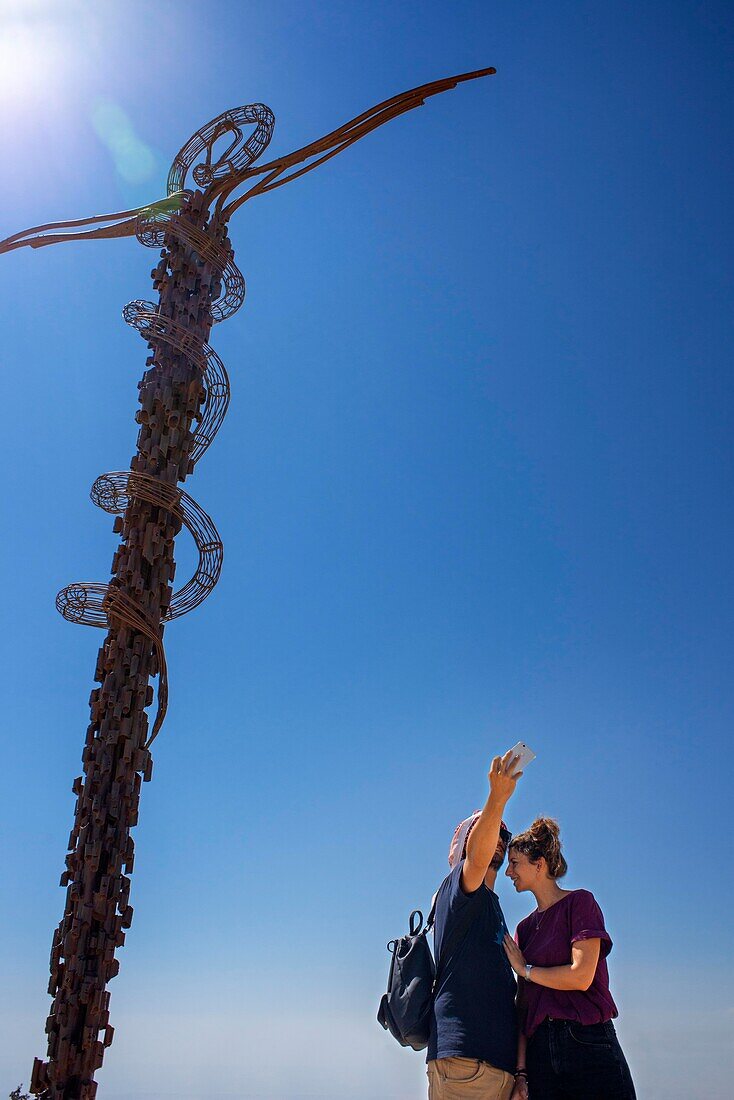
(432, 914)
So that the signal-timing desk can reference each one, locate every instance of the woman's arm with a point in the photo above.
(578, 974)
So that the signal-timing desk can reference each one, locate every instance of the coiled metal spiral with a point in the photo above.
(103, 605)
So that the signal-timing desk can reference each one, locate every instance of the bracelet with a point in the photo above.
(528, 968)
(520, 1073)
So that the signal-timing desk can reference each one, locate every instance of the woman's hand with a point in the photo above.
(520, 1091)
(515, 956)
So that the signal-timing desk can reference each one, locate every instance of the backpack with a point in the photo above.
(405, 1009)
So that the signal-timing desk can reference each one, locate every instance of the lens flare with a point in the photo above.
(134, 161)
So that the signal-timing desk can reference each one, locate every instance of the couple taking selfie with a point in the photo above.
(549, 1035)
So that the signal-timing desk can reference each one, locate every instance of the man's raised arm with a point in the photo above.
(484, 837)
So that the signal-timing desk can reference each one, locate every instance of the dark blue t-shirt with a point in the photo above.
(474, 1007)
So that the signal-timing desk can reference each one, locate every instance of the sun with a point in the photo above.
(34, 52)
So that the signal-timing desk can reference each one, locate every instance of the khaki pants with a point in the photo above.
(467, 1079)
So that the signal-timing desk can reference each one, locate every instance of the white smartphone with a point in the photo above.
(525, 754)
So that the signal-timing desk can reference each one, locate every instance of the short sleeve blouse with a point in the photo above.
(545, 939)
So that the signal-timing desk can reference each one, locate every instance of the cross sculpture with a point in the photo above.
(184, 394)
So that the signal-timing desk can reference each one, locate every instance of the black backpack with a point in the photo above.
(405, 1010)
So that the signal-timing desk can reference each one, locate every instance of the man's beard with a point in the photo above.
(497, 862)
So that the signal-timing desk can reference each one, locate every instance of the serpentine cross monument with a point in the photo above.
(183, 398)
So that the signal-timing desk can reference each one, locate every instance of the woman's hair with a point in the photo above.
(543, 838)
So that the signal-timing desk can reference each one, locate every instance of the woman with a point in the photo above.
(568, 1048)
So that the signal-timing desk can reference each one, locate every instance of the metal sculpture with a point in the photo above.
(183, 399)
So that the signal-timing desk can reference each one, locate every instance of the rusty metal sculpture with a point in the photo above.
(183, 398)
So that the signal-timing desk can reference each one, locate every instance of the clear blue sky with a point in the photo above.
(474, 486)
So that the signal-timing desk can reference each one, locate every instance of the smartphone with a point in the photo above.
(525, 754)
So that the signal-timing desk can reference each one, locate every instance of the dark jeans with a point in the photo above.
(568, 1061)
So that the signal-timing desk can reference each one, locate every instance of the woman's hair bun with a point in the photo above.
(543, 840)
(545, 827)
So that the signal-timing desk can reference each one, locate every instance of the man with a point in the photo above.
(473, 1042)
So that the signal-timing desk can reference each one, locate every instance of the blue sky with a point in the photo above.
(474, 486)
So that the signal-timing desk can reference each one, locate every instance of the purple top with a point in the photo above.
(545, 940)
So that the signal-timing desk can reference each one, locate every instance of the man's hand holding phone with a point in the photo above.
(503, 775)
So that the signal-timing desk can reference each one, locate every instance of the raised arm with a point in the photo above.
(484, 837)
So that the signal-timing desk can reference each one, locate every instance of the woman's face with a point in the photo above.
(523, 873)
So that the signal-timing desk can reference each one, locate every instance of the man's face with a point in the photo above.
(499, 856)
